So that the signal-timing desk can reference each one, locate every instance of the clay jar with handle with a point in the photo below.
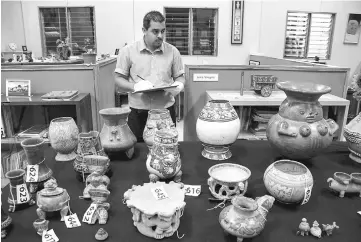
(63, 136)
(34, 150)
(299, 131)
(158, 119)
(116, 135)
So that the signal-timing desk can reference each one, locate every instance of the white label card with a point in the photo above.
(49, 236)
(192, 190)
(359, 212)
(32, 172)
(307, 196)
(89, 213)
(22, 193)
(72, 221)
(159, 193)
(205, 77)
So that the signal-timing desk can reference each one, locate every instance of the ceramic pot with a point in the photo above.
(299, 130)
(16, 178)
(34, 151)
(89, 144)
(5, 222)
(217, 127)
(158, 119)
(288, 181)
(164, 161)
(156, 218)
(63, 136)
(245, 218)
(41, 225)
(228, 180)
(344, 183)
(52, 198)
(352, 134)
(116, 135)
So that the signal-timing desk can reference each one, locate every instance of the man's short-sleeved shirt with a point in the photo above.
(159, 67)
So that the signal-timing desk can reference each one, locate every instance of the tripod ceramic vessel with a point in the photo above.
(299, 130)
(63, 136)
(116, 135)
(218, 127)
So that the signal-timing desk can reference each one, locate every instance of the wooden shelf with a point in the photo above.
(247, 135)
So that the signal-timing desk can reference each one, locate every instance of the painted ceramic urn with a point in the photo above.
(245, 218)
(228, 180)
(164, 161)
(116, 135)
(52, 198)
(288, 181)
(352, 134)
(63, 136)
(217, 127)
(299, 130)
(156, 207)
(158, 119)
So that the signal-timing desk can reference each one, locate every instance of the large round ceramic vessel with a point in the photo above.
(352, 134)
(164, 161)
(217, 127)
(245, 218)
(158, 119)
(299, 130)
(63, 136)
(116, 135)
(288, 181)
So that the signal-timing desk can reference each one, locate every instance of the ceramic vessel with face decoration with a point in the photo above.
(299, 130)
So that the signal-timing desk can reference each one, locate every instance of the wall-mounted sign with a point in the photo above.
(207, 77)
(237, 21)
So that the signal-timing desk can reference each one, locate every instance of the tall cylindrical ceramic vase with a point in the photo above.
(63, 136)
(34, 151)
(218, 127)
(116, 135)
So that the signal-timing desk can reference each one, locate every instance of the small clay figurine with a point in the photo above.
(315, 230)
(328, 228)
(304, 227)
(101, 234)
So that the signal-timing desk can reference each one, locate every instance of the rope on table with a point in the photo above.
(12, 196)
(220, 205)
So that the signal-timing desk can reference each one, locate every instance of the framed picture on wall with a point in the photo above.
(237, 21)
(353, 29)
(24, 48)
(18, 88)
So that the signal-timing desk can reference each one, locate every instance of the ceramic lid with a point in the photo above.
(51, 189)
(229, 172)
(142, 198)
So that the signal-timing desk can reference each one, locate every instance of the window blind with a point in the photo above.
(177, 28)
(296, 35)
(308, 35)
(320, 36)
(192, 30)
(75, 23)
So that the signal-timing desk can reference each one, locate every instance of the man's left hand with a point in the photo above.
(175, 91)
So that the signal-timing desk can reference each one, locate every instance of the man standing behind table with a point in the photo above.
(148, 63)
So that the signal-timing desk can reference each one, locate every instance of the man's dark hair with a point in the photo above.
(152, 15)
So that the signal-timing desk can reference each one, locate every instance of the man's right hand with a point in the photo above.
(142, 85)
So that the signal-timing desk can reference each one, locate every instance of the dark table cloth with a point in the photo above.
(198, 224)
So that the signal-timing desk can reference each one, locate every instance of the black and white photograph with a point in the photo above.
(18, 88)
(353, 29)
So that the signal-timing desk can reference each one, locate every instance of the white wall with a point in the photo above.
(118, 22)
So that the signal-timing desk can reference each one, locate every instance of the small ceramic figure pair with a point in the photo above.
(304, 228)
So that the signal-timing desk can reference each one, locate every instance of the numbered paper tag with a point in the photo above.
(32, 173)
(22, 193)
(89, 213)
(359, 212)
(49, 236)
(192, 190)
(159, 193)
(72, 221)
(307, 196)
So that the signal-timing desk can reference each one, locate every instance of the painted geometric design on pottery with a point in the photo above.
(280, 191)
(220, 115)
(87, 146)
(166, 166)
